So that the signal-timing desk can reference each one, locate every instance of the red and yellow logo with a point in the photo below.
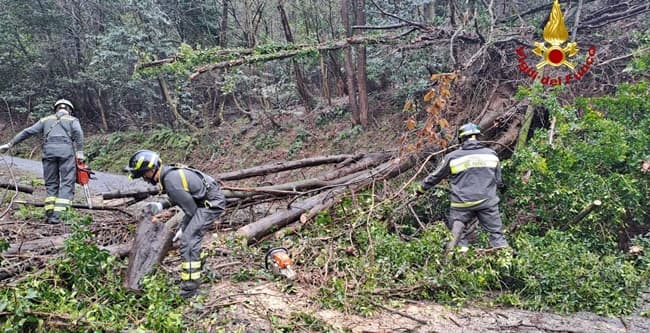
(555, 52)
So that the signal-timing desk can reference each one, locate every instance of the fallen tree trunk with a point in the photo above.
(119, 250)
(285, 166)
(235, 195)
(255, 231)
(134, 193)
(74, 205)
(17, 187)
(331, 178)
(54, 243)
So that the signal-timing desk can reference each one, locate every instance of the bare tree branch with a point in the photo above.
(409, 22)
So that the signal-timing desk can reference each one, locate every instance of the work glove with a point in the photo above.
(153, 207)
(80, 156)
(5, 147)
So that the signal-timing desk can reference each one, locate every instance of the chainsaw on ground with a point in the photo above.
(84, 175)
(280, 262)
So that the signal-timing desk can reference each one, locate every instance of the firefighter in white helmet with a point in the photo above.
(62, 143)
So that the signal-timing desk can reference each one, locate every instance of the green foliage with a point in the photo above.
(599, 150)
(415, 267)
(266, 141)
(349, 133)
(330, 115)
(85, 288)
(28, 212)
(597, 153)
(559, 271)
(112, 152)
(297, 144)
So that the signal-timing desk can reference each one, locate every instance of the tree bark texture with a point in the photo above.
(172, 103)
(18, 187)
(223, 34)
(303, 92)
(349, 66)
(362, 88)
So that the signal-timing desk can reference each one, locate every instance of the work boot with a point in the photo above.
(189, 289)
(48, 215)
(53, 218)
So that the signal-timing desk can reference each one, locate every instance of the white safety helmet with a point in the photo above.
(64, 102)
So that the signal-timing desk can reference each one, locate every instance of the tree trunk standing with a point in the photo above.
(428, 12)
(523, 132)
(452, 13)
(339, 77)
(325, 80)
(173, 106)
(100, 106)
(362, 88)
(306, 98)
(576, 22)
(223, 36)
(349, 66)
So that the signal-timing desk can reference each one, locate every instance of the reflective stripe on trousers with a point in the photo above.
(61, 205)
(190, 242)
(49, 203)
(190, 270)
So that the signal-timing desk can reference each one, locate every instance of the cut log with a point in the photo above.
(18, 187)
(254, 232)
(152, 241)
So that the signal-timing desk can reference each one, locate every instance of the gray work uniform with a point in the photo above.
(474, 172)
(61, 135)
(202, 201)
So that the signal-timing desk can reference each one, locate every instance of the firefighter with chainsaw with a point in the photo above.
(62, 148)
(197, 194)
(474, 172)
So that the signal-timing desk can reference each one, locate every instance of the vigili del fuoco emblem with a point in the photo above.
(555, 51)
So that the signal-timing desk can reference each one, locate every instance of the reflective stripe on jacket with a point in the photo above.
(190, 189)
(474, 171)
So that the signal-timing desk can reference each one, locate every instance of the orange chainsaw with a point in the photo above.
(84, 175)
(280, 261)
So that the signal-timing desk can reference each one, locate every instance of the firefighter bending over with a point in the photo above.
(474, 172)
(62, 136)
(197, 194)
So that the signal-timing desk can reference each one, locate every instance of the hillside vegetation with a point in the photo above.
(227, 85)
(371, 249)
